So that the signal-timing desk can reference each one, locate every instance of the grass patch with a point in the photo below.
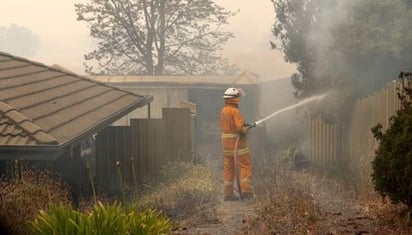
(314, 201)
(284, 205)
(182, 191)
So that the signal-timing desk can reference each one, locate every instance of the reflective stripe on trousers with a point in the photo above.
(239, 151)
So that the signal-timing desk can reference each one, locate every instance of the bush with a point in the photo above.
(392, 166)
(21, 199)
(102, 219)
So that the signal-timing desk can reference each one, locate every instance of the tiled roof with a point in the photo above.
(47, 106)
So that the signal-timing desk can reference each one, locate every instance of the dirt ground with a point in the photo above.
(337, 210)
(231, 216)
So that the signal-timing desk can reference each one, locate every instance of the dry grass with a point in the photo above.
(289, 201)
(295, 201)
(184, 191)
(284, 205)
(21, 199)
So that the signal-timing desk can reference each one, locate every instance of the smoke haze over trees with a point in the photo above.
(18, 40)
(156, 36)
(354, 46)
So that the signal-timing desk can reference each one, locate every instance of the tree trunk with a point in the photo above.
(161, 52)
(149, 38)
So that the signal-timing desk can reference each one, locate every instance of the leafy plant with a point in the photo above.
(60, 219)
(149, 221)
(109, 219)
(392, 166)
(102, 219)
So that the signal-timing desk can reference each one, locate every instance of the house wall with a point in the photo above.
(163, 97)
(208, 100)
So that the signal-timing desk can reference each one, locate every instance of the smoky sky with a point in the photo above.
(64, 41)
(363, 61)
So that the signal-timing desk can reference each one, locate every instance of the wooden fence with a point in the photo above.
(128, 154)
(325, 141)
(352, 143)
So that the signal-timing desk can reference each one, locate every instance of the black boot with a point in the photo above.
(247, 196)
(231, 198)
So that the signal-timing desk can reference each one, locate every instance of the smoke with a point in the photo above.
(332, 14)
(321, 38)
(350, 48)
(18, 40)
(358, 45)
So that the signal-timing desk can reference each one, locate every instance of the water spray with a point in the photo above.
(302, 102)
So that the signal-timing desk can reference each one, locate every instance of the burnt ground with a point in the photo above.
(310, 204)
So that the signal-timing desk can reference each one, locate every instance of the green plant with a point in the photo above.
(102, 219)
(392, 166)
(59, 219)
(149, 221)
(107, 219)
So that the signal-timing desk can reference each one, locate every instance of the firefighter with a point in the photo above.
(232, 126)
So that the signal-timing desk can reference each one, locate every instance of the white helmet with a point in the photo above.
(232, 92)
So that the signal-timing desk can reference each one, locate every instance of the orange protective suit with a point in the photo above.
(231, 122)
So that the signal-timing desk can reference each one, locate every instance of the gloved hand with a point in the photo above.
(249, 125)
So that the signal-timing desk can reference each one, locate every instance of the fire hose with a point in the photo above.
(235, 161)
(254, 124)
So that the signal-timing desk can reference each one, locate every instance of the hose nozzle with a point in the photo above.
(250, 125)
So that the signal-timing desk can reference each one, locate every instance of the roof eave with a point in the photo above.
(13, 152)
(109, 120)
(28, 152)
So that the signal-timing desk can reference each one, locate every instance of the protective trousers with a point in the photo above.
(244, 164)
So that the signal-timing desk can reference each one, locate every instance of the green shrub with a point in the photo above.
(109, 219)
(61, 219)
(392, 166)
(149, 221)
(102, 219)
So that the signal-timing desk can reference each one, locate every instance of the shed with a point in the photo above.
(204, 92)
(46, 112)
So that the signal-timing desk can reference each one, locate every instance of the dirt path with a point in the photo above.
(230, 216)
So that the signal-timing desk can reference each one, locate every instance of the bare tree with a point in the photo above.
(156, 36)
